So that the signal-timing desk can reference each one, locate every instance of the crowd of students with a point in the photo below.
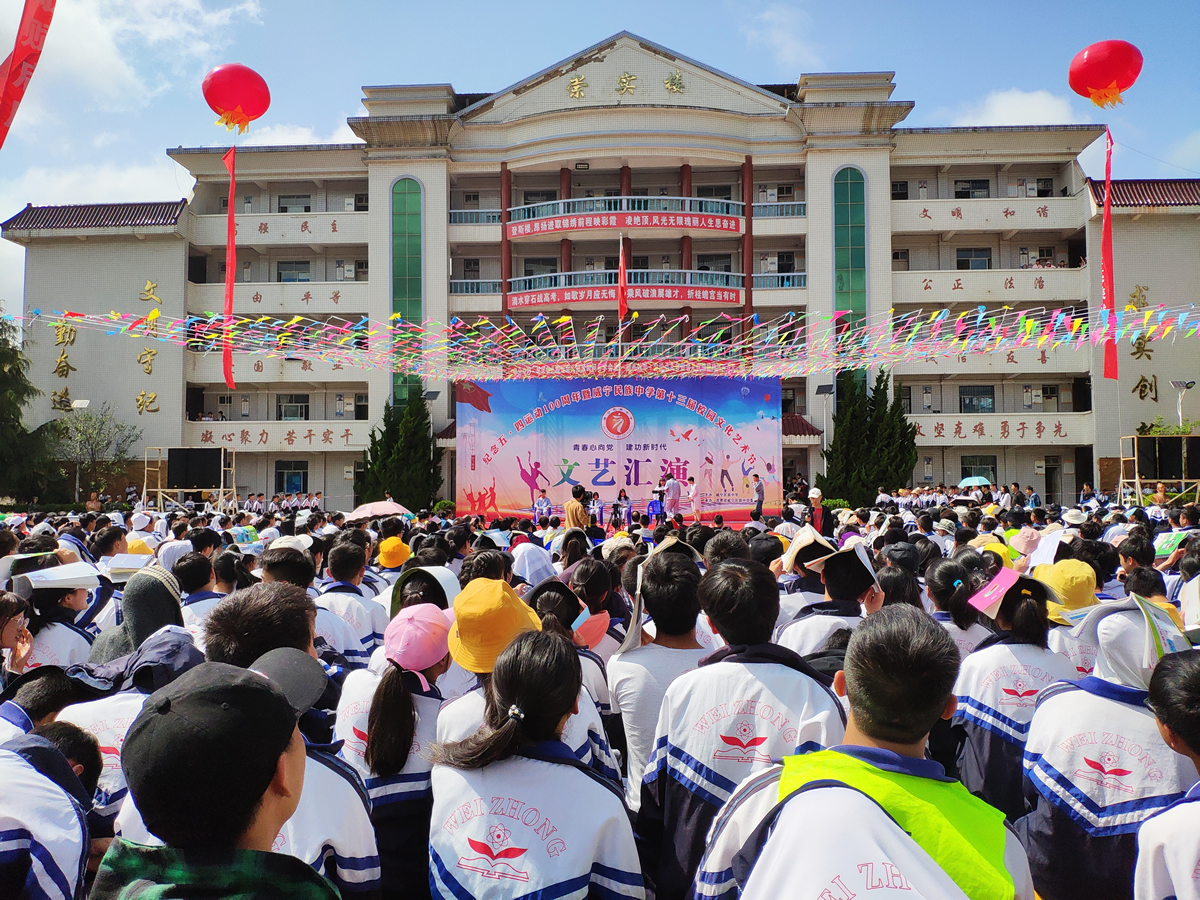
(962, 701)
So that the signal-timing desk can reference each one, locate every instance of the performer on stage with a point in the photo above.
(694, 498)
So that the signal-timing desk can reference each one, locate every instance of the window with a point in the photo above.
(224, 399)
(470, 269)
(1045, 254)
(973, 466)
(407, 251)
(360, 270)
(291, 476)
(361, 203)
(906, 398)
(786, 263)
(291, 407)
(1045, 187)
(292, 271)
(535, 266)
(714, 262)
(850, 243)
(974, 257)
(715, 191)
(532, 197)
(899, 190)
(360, 407)
(295, 203)
(976, 398)
(471, 200)
(899, 260)
(785, 193)
(973, 189)
(225, 204)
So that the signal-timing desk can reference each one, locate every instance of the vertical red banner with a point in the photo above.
(230, 268)
(17, 70)
(622, 287)
(1106, 264)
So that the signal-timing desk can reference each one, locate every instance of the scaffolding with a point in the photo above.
(164, 498)
(1133, 485)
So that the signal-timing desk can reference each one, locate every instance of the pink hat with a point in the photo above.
(416, 638)
(1026, 540)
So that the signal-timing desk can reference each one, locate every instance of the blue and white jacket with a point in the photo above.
(361, 614)
(1169, 853)
(539, 824)
(1095, 769)
(815, 624)
(719, 724)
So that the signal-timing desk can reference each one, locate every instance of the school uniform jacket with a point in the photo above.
(400, 804)
(997, 690)
(539, 824)
(108, 720)
(815, 624)
(1169, 854)
(347, 600)
(197, 606)
(60, 644)
(14, 721)
(1082, 655)
(1095, 769)
(967, 639)
(584, 733)
(339, 637)
(43, 830)
(330, 830)
(718, 724)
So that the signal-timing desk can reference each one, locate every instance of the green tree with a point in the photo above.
(26, 457)
(376, 476)
(97, 444)
(402, 457)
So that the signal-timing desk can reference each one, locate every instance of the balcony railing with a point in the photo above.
(474, 286)
(781, 280)
(474, 217)
(794, 210)
(586, 205)
(690, 277)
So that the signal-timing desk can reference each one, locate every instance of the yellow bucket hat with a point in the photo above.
(487, 616)
(393, 552)
(1073, 581)
(1000, 550)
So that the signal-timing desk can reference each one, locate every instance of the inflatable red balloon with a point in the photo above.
(237, 94)
(1102, 71)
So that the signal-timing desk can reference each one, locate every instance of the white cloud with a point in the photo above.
(273, 135)
(783, 30)
(1017, 107)
(1186, 153)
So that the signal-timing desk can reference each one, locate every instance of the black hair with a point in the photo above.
(698, 537)
(1101, 556)
(575, 547)
(534, 684)
(248, 623)
(900, 669)
(1137, 548)
(1146, 582)
(346, 560)
(78, 746)
(391, 723)
(899, 586)
(46, 695)
(482, 564)
(591, 583)
(419, 587)
(965, 535)
(105, 540)
(557, 607)
(1175, 695)
(742, 600)
(725, 545)
(193, 571)
(950, 587)
(670, 586)
(230, 568)
(927, 552)
(12, 606)
(1189, 566)
(1023, 611)
(203, 538)
(428, 556)
(289, 565)
(9, 540)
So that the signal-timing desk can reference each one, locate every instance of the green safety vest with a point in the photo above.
(938, 815)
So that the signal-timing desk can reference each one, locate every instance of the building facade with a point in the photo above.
(807, 197)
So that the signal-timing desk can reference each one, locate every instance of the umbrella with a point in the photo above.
(974, 481)
(378, 510)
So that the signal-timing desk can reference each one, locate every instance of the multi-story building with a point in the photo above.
(805, 197)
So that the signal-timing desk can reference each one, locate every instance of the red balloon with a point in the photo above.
(1102, 71)
(237, 94)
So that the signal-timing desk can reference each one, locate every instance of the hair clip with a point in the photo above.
(958, 582)
(1025, 592)
(515, 712)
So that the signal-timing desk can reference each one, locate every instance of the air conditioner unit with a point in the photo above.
(350, 203)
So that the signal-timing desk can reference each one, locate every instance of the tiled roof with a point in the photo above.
(796, 424)
(448, 433)
(1150, 192)
(97, 215)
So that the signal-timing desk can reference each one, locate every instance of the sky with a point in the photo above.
(119, 80)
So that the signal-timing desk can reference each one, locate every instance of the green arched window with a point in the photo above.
(406, 267)
(850, 244)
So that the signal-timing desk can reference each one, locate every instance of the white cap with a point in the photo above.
(814, 494)
(291, 541)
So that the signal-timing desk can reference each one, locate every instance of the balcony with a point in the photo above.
(349, 435)
(1064, 429)
(475, 286)
(475, 296)
(261, 368)
(667, 288)
(647, 216)
(990, 286)
(306, 298)
(1007, 215)
(782, 289)
(474, 226)
(474, 217)
(1029, 365)
(795, 210)
(281, 229)
(780, 219)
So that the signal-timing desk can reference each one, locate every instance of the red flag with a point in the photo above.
(230, 266)
(1106, 264)
(470, 392)
(622, 286)
(17, 69)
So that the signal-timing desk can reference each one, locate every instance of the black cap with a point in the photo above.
(904, 555)
(217, 730)
(765, 548)
(848, 573)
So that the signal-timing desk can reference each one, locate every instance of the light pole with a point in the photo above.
(78, 404)
(1183, 387)
(824, 391)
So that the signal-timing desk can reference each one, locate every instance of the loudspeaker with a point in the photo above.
(1170, 458)
(1147, 457)
(1193, 457)
(189, 467)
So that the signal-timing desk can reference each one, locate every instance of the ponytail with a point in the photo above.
(591, 583)
(950, 587)
(1023, 612)
(535, 683)
(391, 724)
(557, 607)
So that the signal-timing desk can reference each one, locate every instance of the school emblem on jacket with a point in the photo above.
(1020, 694)
(496, 859)
(1105, 772)
(742, 745)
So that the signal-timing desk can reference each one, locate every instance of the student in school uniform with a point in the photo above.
(746, 704)
(514, 810)
(387, 725)
(997, 690)
(1096, 766)
(871, 814)
(851, 590)
(949, 587)
(439, 586)
(344, 595)
(56, 594)
(149, 602)
(1073, 583)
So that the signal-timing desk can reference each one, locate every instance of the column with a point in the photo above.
(685, 252)
(748, 237)
(564, 184)
(626, 181)
(564, 193)
(564, 255)
(505, 246)
(685, 243)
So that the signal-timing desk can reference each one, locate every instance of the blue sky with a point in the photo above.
(119, 80)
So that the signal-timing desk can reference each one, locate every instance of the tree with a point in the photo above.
(98, 444)
(26, 457)
(402, 458)
(377, 476)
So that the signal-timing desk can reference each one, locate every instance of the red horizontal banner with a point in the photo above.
(625, 220)
(676, 293)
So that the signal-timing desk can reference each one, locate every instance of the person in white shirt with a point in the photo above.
(345, 597)
(671, 492)
(851, 591)
(512, 803)
(694, 499)
(949, 586)
(638, 678)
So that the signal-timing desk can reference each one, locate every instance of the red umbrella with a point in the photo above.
(380, 509)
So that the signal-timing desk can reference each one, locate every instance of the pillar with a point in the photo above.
(626, 181)
(748, 237)
(564, 255)
(627, 247)
(685, 181)
(685, 252)
(505, 245)
(564, 184)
